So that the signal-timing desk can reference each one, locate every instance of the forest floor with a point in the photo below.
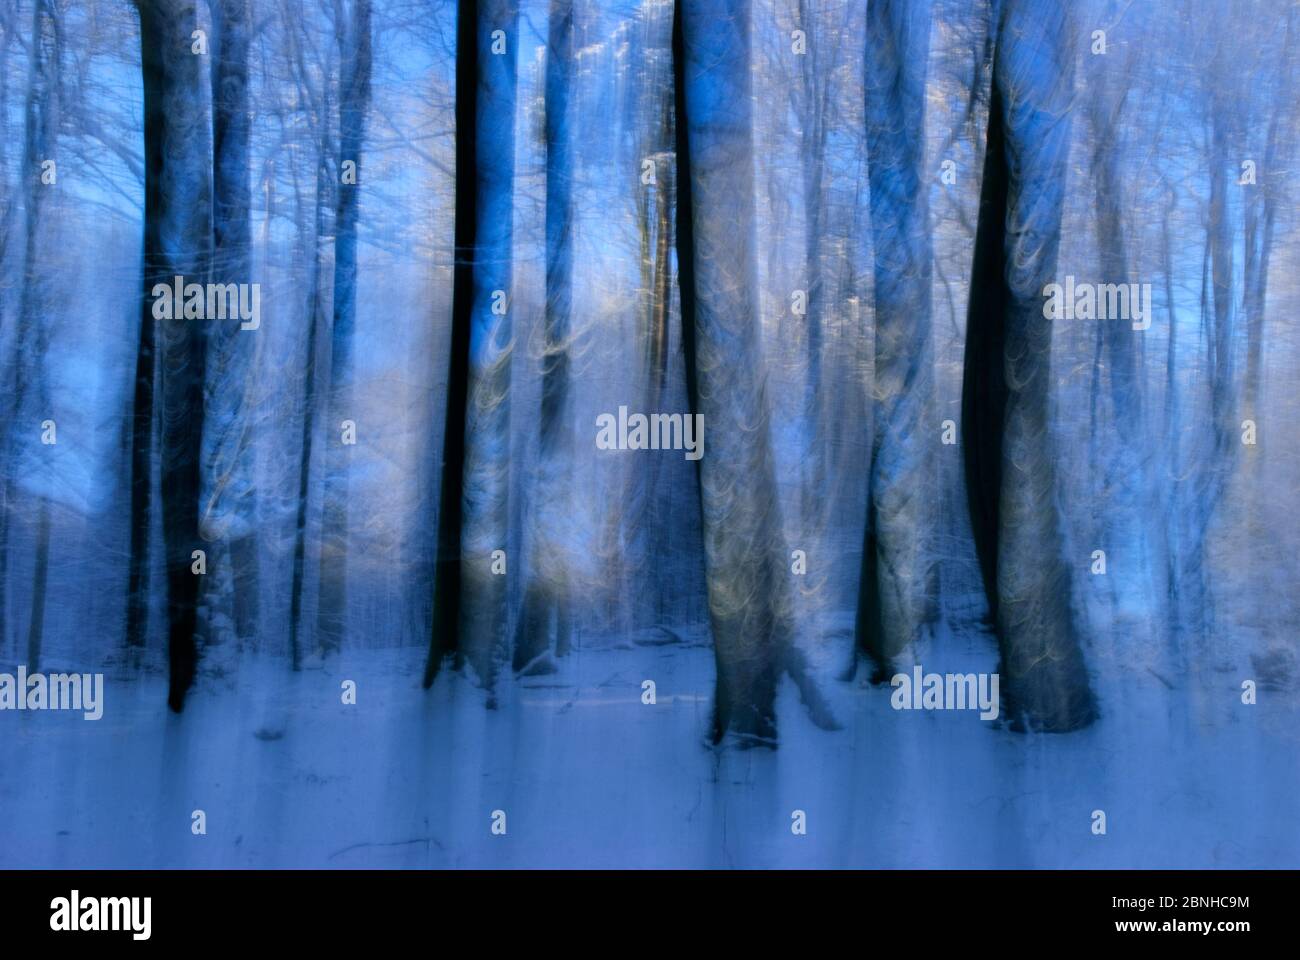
(587, 775)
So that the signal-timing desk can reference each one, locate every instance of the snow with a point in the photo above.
(589, 776)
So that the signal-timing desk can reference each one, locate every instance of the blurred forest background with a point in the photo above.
(825, 226)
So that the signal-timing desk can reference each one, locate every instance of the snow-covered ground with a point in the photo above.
(588, 775)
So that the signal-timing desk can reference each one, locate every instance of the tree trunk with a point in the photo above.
(1011, 472)
(546, 596)
(444, 635)
(40, 138)
(354, 101)
(177, 235)
(486, 502)
(898, 590)
(230, 503)
(315, 322)
(745, 553)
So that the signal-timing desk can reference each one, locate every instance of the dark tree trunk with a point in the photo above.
(177, 235)
(444, 635)
(1011, 471)
(486, 501)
